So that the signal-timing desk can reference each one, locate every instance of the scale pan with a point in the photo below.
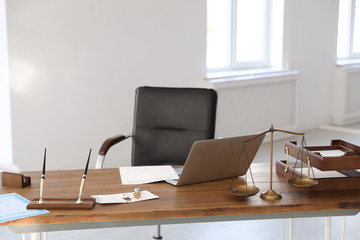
(302, 182)
(244, 190)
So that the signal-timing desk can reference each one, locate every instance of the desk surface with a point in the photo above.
(209, 201)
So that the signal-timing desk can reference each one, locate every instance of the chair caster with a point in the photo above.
(157, 237)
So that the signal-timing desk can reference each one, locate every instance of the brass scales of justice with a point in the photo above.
(244, 190)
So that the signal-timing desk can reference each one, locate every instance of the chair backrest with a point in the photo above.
(167, 121)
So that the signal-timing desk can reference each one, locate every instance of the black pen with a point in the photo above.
(42, 180)
(83, 178)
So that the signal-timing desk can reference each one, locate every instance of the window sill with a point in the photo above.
(250, 77)
(349, 63)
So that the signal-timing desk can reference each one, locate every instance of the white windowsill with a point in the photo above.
(250, 77)
(351, 66)
(349, 63)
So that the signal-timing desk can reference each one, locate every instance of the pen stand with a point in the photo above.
(15, 180)
(61, 204)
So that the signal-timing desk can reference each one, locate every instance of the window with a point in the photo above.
(349, 30)
(243, 34)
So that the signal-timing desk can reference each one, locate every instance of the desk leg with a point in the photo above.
(158, 233)
(343, 229)
(35, 236)
(292, 230)
(327, 228)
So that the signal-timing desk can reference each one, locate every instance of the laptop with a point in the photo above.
(216, 159)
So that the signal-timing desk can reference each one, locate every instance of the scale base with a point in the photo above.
(61, 204)
(244, 190)
(270, 195)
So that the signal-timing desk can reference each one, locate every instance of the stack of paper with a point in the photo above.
(9, 168)
(147, 174)
(331, 153)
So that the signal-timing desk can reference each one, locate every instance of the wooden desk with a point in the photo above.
(194, 203)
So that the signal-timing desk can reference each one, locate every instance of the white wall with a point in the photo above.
(253, 105)
(74, 66)
(310, 37)
(345, 107)
(5, 118)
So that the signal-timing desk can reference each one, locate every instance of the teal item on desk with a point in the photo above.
(13, 206)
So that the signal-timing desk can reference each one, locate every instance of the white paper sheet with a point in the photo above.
(331, 153)
(9, 168)
(321, 174)
(13, 206)
(146, 174)
(119, 198)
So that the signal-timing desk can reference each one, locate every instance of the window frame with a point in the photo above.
(350, 31)
(233, 64)
(265, 41)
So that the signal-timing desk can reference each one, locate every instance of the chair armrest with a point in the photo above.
(111, 142)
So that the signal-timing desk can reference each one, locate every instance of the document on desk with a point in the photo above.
(123, 197)
(9, 168)
(13, 206)
(331, 153)
(147, 174)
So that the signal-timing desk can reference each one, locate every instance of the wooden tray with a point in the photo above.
(350, 182)
(350, 160)
(62, 204)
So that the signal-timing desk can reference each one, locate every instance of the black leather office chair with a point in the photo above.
(167, 121)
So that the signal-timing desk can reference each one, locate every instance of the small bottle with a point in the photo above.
(137, 193)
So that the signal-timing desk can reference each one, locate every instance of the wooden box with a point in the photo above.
(15, 180)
